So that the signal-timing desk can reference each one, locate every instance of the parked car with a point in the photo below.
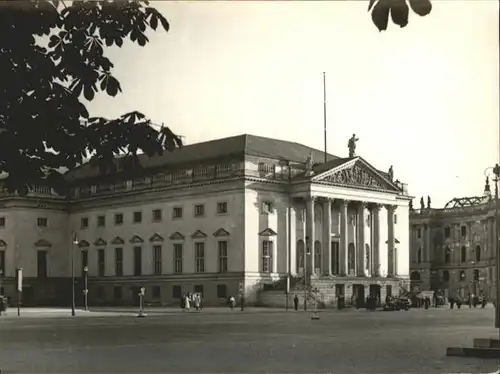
(397, 303)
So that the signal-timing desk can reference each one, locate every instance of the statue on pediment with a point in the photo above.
(411, 205)
(309, 165)
(352, 146)
(428, 202)
(422, 205)
(391, 173)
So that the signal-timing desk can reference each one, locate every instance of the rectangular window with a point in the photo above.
(85, 260)
(119, 262)
(101, 221)
(199, 210)
(2, 222)
(221, 208)
(200, 257)
(42, 222)
(137, 261)
(157, 249)
(84, 223)
(267, 255)
(335, 258)
(464, 231)
(176, 292)
(177, 212)
(447, 232)
(156, 292)
(117, 292)
(101, 263)
(395, 219)
(221, 291)
(118, 218)
(222, 249)
(157, 215)
(42, 264)
(137, 217)
(2, 263)
(178, 258)
(267, 207)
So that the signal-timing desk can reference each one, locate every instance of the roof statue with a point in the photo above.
(309, 165)
(391, 173)
(428, 202)
(422, 205)
(411, 205)
(352, 146)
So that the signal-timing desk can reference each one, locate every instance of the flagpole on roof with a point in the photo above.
(324, 112)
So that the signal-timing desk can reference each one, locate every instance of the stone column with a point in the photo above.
(376, 241)
(360, 253)
(427, 251)
(293, 240)
(327, 241)
(390, 240)
(309, 244)
(343, 238)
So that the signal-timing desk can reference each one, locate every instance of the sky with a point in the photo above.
(424, 98)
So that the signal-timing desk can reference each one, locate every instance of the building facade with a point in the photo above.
(233, 216)
(453, 249)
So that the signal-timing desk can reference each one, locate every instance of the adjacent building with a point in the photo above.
(233, 216)
(453, 249)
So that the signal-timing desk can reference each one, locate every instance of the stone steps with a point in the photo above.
(482, 348)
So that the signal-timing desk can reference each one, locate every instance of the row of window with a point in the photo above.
(447, 232)
(158, 259)
(156, 291)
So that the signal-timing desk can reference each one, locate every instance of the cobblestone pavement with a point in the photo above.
(247, 342)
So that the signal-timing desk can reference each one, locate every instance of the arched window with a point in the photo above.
(351, 258)
(419, 255)
(447, 255)
(300, 255)
(446, 276)
(478, 253)
(415, 276)
(463, 254)
(317, 256)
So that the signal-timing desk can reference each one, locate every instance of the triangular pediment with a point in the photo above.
(42, 243)
(156, 238)
(117, 241)
(268, 232)
(100, 242)
(2, 243)
(83, 243)
(136, 239)
(356, 173)
(199, 235)
(221, 232)
(176, 236)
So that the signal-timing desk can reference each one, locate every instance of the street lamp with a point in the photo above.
(75, 243)
(306, 253)
(496, 179)
(86, 286)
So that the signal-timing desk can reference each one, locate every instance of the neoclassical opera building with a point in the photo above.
(453, 248)
(223, 217)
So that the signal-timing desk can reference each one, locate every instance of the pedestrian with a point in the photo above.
(296, 302)
(197, 302)
(187, 305)
(471, 300)
(232, 302)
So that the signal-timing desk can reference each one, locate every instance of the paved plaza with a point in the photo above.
(256, 340)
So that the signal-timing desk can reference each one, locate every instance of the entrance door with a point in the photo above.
(375, 291)
(335, 258)
(359, 295)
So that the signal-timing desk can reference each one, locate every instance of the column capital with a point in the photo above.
(344, 203)
(375, 207)
(391, 207)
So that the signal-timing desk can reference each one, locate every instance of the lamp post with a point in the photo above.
(496, 179)
(306, 253)
(86, 286)
(75, 243)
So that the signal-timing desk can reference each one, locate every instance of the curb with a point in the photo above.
(492, 353)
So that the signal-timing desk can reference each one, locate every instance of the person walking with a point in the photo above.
(296, 303)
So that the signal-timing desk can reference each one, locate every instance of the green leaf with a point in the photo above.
(113, 86)
(421, 7)
(164, 22)
(399, 12)
(154, 22)
(370, 5)
(380, 14)
(88, 92)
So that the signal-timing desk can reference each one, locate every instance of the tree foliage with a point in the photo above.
(398, 9)
(52, 54)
